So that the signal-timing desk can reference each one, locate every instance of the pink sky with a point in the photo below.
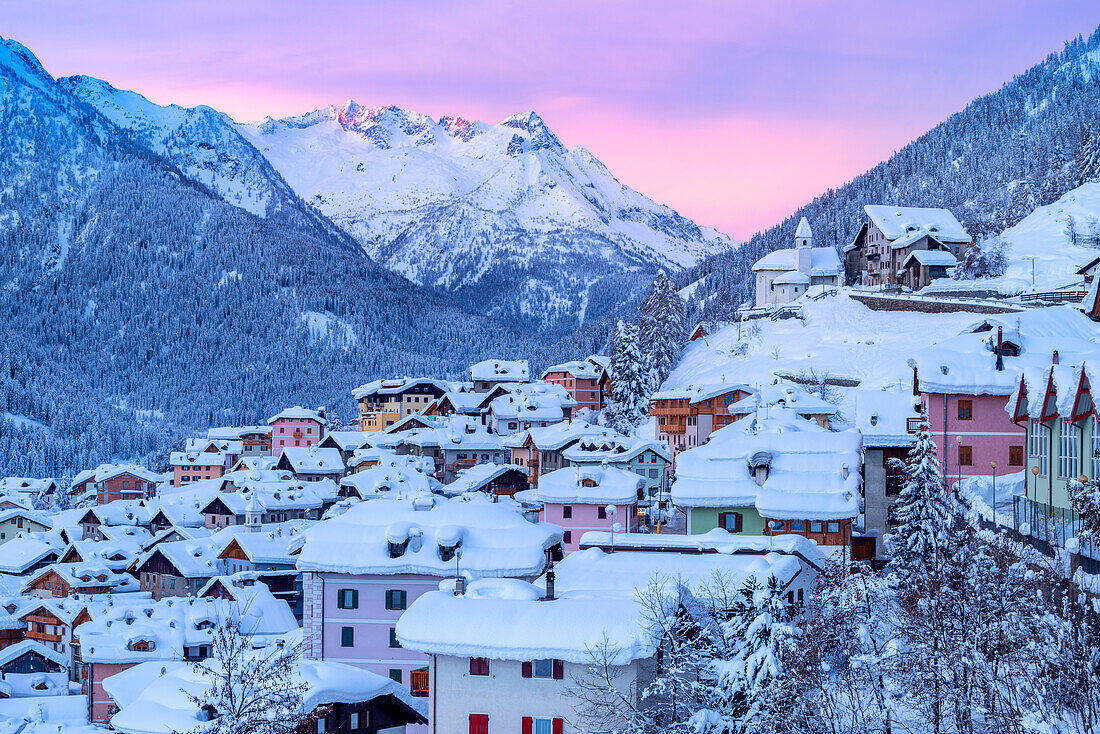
(734, 113)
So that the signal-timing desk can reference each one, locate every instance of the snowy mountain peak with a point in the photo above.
(17, 59)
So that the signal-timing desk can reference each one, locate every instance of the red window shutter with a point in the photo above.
(722, 519)
(479, 724)
(738, 518)
(527, 669)
(526, 725)
(557, 726)
(559, 669)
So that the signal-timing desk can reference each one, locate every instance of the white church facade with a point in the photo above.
(786, 275)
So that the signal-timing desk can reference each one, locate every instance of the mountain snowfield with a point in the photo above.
(504, 213)
(505, 216)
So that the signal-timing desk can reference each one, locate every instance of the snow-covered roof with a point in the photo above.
(194, 559)
(589, 484)
(476, 477)
(597, 606)
(614, 449)
(792, 277)
(932, 258)
(580, 369)
(549, 438)
(803, 230)
(396, 480)
(214, 445)
(27, 685)
(494, 537)
(25, 485)
(173, 623)
(812, 473)
(28, 549)
(532, 402)
(236, 432)
(159, 698)
(88, 575)
(966, 363)
(313, 460)
(824, 261)
(196, 458)
(717, 540)
(500, 370)
(19, 649)
(899, 221)
(698, 393)
(882, 416)
(397, 386)
(105, 472)
(297, 413)
(454, 436)
(347, 440)
(267, 547)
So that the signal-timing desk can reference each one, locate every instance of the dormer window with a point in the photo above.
(397, 549)
(447, 552)
(141, 646)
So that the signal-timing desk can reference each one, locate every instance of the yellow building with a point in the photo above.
(384, 402)
(13, 522)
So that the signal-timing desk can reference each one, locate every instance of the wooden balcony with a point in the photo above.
(912, 425)
(418, 682)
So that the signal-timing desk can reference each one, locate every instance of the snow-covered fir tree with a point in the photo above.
(662, 329)
(758, 634)
(629, 381)
(1086, 164)
(922, 508)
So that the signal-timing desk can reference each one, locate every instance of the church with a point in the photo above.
(785, 275)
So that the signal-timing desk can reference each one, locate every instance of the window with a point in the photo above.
(567, 536)
(541, 726)
(652, 473)
(347, 599)
(394, 642)
(353, 721)
(479, 666)
(834, 527)
(545, 668)
(601, 512)
(798, 526)
(395, 675)
(396, 599)
(1038, 445)
(1095, 448)
(347, 637)
(567, 511)
(479, 723)
(731, 521)
(1015, 455)
(966, 410)
(815, 526)
(1068, 448)
(966, 455)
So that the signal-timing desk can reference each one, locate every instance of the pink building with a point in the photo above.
(363, 568)
(964, 384)
(580, 379)
(296, 426)
(584, 498)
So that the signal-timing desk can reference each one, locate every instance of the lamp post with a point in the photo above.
(1035, 486)
(993, 466)
(959, 461)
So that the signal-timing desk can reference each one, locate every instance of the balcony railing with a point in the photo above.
(418, 682)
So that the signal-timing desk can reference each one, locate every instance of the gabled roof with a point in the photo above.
(499, 370)
(569, 485)
(106, 472)
(344, 440)
(580, 369)
(312, 460)
(549, 438)
(397, 386)
(931, 258)
(19, 649)
(236, 432)
(297, 413)
(824, 261)
(477, 477)
(899, 221)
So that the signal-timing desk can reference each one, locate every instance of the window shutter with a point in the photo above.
(559, 669)
(557, 726)
(526, 725)
(479, 724)
(738, 519)
(526, 668)
(355, 598)
(722, 520)
(389, 600)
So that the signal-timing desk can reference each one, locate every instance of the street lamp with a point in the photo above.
(993, 465)
(1035, 485)
(959, 442)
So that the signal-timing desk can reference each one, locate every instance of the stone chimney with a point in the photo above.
(549, 585)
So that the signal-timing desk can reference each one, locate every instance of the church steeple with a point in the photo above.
(803, 236)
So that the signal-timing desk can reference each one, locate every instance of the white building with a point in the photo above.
(785, 275)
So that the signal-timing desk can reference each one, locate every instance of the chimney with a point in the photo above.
(1000, 344)
(416, 539)
(549, 585)
(460, 585)
(1055, 357)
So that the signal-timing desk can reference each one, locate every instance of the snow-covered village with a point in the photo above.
(367, 420)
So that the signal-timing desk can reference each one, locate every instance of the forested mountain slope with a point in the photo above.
(991, 164)
(135, 303)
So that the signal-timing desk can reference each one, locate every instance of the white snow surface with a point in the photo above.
(385, 171)
(609, 486)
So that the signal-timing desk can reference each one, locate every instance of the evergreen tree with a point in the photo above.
(62, 500)
(629, 381)
(922, 509)
(759, 633)
(1086, 163)
(663, 329)
(41, 500)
